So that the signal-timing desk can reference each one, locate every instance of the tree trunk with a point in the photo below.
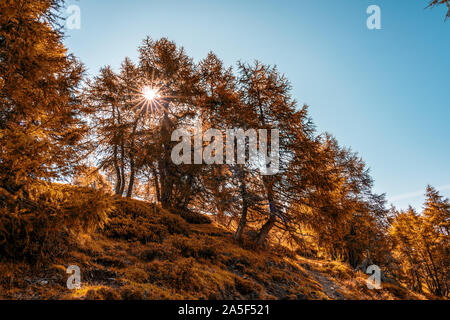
(165, 162)
(244, 196)
(265, 229)
(132, 155)
(118, 176)
(131, 183)
(115, 159)
(122, 168)
(158, 192)
(220, 217)
(242, 223)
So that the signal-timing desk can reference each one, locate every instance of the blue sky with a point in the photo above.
(384, 93)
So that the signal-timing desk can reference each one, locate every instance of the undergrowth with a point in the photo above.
(130, 249)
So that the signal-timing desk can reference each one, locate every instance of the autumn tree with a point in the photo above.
(422, 244)
(322, 191)
(107, 132)
(133, 133)
(173, 73)
(332, 205)
(265, 93)
(40, 111)
(231, 189)
(117, 116)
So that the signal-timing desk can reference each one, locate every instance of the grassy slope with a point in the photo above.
(146, 253)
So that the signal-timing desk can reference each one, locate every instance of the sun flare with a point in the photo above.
(150, 93)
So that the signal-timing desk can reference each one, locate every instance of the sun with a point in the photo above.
(147, 99)
(150, 94)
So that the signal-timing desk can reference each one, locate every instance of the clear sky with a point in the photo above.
(384, 93)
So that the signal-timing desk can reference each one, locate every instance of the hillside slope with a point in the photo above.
(144, 252)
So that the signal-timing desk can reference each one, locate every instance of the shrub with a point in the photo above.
(160, 251)
(132, 208)
(135, 220)
(133, 293)
(192, 217)
(180, 275)
(283, 251)
(247, 287)
(174, 224)
(145, 229)
(103, 294)
(137, 229)
(42, 225)
(195, 248)
(137, 275)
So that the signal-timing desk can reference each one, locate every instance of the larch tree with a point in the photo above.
(173, 72)
(422, 242)
(229, 187)
(107, 132)
(40, 107)
(116, 119)
(332, 198)
(266, 95)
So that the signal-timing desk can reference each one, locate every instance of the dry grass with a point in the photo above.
(148, 253)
